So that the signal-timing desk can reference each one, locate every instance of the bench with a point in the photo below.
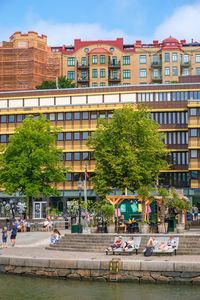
(135, 247)
(165, 240)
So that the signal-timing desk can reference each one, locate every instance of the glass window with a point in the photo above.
(102, 84)
(178, 117)
(155, 59)
(126, 60)
(102, 59)
(94, 59)
(197, 58)
(85, 135)
(93, 115)
(165, 118)
(77, 116)
(52, 117)
(71, 61)
(178, 138)
(94, 84)
(193, 132)
(143, 59)
(174, 71)
(3, 138)
(11, 118)
(173, 118)
(194, 174)
(76, 135)
(143, 73)
(183, 137)
(197, 71)
(169, 138)
(85, 115)
(110, 114)
(167, 57)
(102, 115)
(174, 137)
(3, 119)
(84, 75)
(68, 136)
(186, 58)
(77, 176)
(19, 118)
(94, 73)
(60, 116)
(167, 71)
(83, 61)
(183, 157)
(186, 137)
(193, 153)
(186, 71)
(102, 73)
(68, 156)
(169, 118)
(76, 155)
(85, 155)
(126, 74)
(193, 111)
(155, 73)
(71, 75)
(68, 116)
(182, 118)
(69, 176)
(174, 57)
(60, 136)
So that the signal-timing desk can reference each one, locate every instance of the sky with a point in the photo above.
(63, 20)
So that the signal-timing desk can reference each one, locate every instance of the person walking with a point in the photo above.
(4, 237)
(13, 234)
(196, 211)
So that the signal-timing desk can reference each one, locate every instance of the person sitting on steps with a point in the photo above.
(129, 244)
(116, 244)
(152, 242)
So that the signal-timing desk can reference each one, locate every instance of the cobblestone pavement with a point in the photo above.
(32, 244)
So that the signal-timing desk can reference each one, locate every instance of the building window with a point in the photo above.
(186, 71)
(126, 83)
(94, 59)
(85, 115)
(102, 59)
(193, 132)
(197, 58)
(174, 71)
(94, 73)
(167, 71)
(102, 84)
(194, 174)
(94, 84)
(84, 75)
(193, 153)
(71, 61)
(3, 138)
(186, 58)
(155, 59)
(3, 119)
(167, 57)
(85, 155)
(174, 57)
(93, 115)
(197, 71)
(52, 117)
(102, 73)
(193, 111)
(76, 155)
(19, 118)
(85, 135)
(114, 74)
(155, 73)
(68, 116)
(76, 135)
(143, 59)
(11, 118)
(68, 136)
(77, 116)
(71, 75)
(69, 176)
(126, 74)
(126, 60)
(60, 116)
(83, 61)
(60, 136)
(143, 73)
(68, 156)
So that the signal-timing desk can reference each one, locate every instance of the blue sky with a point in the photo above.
(62, 21)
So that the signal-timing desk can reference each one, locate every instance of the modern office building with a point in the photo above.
(176, 107)
(26, 60)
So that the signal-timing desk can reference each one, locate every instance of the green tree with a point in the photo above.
(63, 83)
(31, 163)
(128, 149)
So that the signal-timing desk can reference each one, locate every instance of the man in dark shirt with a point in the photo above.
(13, 234)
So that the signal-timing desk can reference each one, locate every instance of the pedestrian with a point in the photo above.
(4, 237)
(13, 234)
(196, 211)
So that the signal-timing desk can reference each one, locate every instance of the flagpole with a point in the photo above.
(85, 197)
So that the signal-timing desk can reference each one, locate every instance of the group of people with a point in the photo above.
(47, 224)
(152, 242)
(13, 234)
(119, 244)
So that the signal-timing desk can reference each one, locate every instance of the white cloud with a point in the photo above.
(184, 23)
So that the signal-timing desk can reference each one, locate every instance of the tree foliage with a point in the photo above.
(63, 83)
(31, 161)
(128, 149)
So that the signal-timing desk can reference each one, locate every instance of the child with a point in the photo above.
(4, 237)
(54, 236)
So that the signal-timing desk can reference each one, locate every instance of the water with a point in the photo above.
(13, 287)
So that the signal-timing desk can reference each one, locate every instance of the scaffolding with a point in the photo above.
(27, 64)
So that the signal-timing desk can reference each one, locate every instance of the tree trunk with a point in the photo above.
(143, 210)
(30, 207)
(162, 212)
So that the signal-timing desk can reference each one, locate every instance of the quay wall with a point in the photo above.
(114, 269)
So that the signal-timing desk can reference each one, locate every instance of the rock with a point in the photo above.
(147, 278)
(84, 273)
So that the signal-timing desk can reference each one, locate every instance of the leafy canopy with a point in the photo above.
(128, 149)
(63, 83)
(31, 161)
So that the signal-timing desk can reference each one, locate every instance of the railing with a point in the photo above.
(114, 79)
(114, 65)
(83, 79)
(156, 64)
(158, 78)
(185, 63)
(82, 66)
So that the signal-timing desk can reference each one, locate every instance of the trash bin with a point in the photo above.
(74, 228)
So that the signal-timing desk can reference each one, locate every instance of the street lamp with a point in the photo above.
(79, 206)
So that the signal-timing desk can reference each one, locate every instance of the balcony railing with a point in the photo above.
(83, 80)
(114, 79)
(156, 64)
(82, 66)
(157, 78)
(185, 63)
(114, 65)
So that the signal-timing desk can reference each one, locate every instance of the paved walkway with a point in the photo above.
(32, 245)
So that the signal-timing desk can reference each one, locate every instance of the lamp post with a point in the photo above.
(79, 206)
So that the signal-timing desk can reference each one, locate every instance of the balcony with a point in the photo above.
(157, 79)
(185, 63)
(83, 80)
(114, 79)
(156, 64)
(82, 66)
(114, 65)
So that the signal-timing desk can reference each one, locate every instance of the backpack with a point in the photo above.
(148, 251)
